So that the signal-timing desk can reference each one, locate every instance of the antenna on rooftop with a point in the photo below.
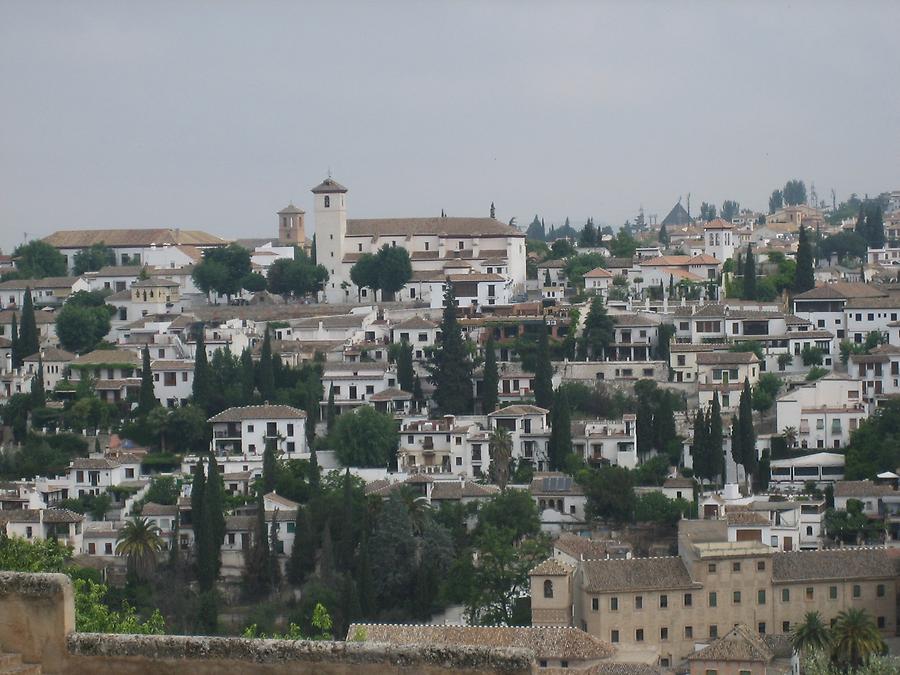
(329, 172)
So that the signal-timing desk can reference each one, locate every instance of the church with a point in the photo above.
(483, 258)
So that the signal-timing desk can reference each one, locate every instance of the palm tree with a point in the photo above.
(500, 446)
(790, 436)
(417, 505)
(139, 542)
(811, 634)
(855, 638)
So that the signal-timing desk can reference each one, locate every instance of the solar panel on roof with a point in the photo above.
(558, 483)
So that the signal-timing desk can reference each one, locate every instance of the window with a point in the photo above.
(614, 604)
(736, 597)
(736, 567)
(563, 664)
(712, 671)
(231, 538)
(810, 594)
(688, 632)
(107, 548)
(711, 568)
(832, 592)
(713, 631)
(639, 635)
(879, 590)
(857, 591)
(663, 634)
(543, 663)
(548, 589)
(785, 595)
(881, 622)
(760, 565)
(785, 626)
(613, 636)
(760, 597)
(290, 429)
(595, 604)
(688, 600)
(663, 601)
(713, 599)
(327, 201)
(639, 602)
(761, 628)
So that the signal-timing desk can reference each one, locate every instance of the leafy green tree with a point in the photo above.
(364, 274)
(875, 445)
(707, 211)
(83, 321)
(147, 398)
(365, 438)
(92, 259)
(490, 394)
(870, 224)
(140, 543)
(394, 269)
(730, 210)
(38, 259)
(588, 236)
(405, 373)
(297, 277)
(247, 377)
(655, 507)
(663, 237)
(776, 201)
(93, 614)
(437, 554)
(29, 341)
(222, 270)
(536, 230)
(186, 430)
(451, 367)
(794, 192)
(501, 578)
(610, 493)
(543, 374)
(599, 331)
(163, 490)
(855, 638)
(561, 248)
(254, 282)
(511, 511)
(844, 245)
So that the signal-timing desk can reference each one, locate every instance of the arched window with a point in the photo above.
(548, 589)
(327, 201)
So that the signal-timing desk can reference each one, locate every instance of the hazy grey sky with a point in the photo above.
(213, 115)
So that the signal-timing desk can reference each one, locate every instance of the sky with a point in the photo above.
(214, 115)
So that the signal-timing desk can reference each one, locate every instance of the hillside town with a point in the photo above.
(670, 446)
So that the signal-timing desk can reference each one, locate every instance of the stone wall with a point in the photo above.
(37, 620)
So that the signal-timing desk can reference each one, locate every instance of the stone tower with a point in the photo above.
(291, 226)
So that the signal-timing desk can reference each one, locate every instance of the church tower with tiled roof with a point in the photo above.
(331, 230)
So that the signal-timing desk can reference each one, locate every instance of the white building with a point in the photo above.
(353, 384)
(718, 239)
(823, 413)
(95, 475)
(598, 281)
(173, 382)
(432, 243)
(46, 292)
(819, 467)
(606, 442)
(61, 524)
(245, 431)
(725, 372)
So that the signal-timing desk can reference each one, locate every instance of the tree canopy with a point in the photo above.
(365, 438)
(222, 270)
(296, 277)
(92, 259)
(38, 259)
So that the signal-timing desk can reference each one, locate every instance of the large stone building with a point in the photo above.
(675, 605)
(436, 246)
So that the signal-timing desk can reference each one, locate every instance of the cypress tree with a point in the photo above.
(314, 478)
(266, 369)
(200, 523)
(326, 569)
(405, 372)
(491, 380)
(303, 551)
(214, 515)
(700, 446)
(451, 369)
(269, 467)
(348, 542)
(749, 276)
(38, 395)
(248, 377)
(15, 352)
(716, 439)
(364, 573)
(560, 431)
(28, 335)
(418, 395)
(804, 279)
(257, 568)
(543, 373)
(664, 429)
(747, 433)
(202, 386)
(331, 411)
(875, 225)
(147, 398)
(274, 565)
